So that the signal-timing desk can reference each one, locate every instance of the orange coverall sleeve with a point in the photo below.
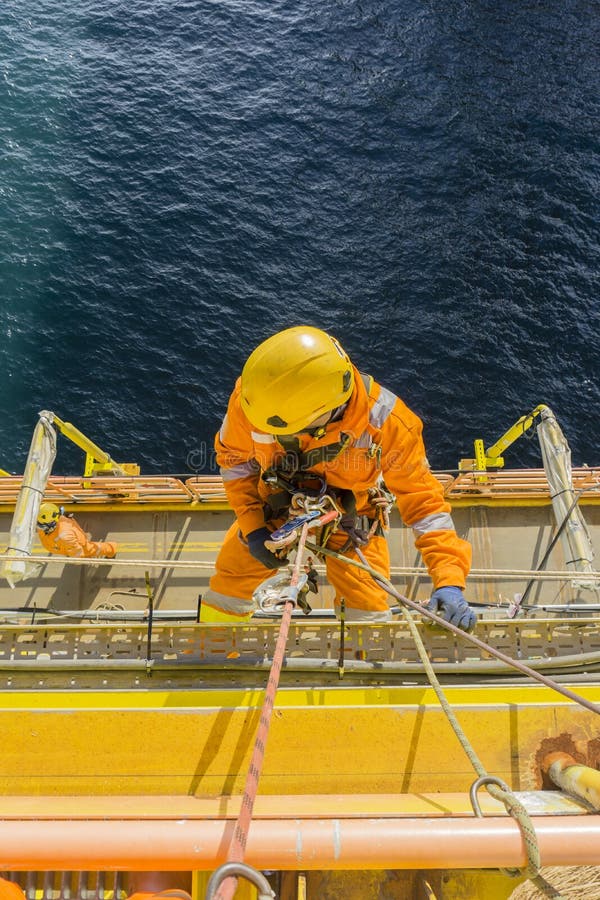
(72, 540)
(420, 499)
(239, 468)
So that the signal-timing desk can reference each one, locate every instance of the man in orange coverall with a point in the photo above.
(300, 402)
(62, 535)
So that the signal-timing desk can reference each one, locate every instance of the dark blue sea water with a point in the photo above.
(182, 178)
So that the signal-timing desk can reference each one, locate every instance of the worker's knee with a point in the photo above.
(217, 607)
(353, 614)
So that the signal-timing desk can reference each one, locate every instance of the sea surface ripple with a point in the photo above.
(182, 178)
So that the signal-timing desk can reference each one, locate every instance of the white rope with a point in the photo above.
(509, 574)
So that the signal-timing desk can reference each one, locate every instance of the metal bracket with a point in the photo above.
(480, 782)
(234, 870)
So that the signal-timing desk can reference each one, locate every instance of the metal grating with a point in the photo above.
(71, 885)
(113, 645)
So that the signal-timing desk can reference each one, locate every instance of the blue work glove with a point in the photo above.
(450, 604)
(256, 546)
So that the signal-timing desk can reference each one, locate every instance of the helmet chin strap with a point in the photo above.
(47, 527)
(319, 432)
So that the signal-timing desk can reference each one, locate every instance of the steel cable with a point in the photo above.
(422, 610)
(512, 574)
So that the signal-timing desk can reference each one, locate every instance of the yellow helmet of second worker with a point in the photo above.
(49, 514)
(293, 378)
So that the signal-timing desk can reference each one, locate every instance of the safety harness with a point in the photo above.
(298, 461)
(294, 473)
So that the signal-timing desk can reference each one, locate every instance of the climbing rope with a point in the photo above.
(496, 788)
(227, 878)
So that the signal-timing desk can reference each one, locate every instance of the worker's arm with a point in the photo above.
(420, 499)
(239, 469)
(70, 540)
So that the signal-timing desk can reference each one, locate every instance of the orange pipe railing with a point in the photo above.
(282, 844)
(125, 490)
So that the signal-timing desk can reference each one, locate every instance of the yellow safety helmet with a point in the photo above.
(48, 515)
(293, 378)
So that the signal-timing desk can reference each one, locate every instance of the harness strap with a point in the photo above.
(290, 473)
(303, 461)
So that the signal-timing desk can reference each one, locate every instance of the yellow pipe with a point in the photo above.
(78, 438)
(492, 456)
(578, 780)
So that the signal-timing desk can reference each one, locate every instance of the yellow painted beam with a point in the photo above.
(139, 508)
(286, 806)
(498, 697)
(472, 501)
(331, 741)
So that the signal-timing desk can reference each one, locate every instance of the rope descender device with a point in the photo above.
(272, 595)
(316, 511)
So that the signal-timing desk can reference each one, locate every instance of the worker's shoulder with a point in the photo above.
(399, 414)
(235, 420)
(68, 522)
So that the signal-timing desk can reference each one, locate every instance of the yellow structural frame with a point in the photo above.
(96, 460)
(329, 740)
(492, 456)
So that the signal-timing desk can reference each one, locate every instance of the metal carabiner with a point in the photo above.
(310, 500)
(272, 594)
(235, 870)
(485, 779)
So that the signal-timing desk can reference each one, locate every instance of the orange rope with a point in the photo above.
(237, 846)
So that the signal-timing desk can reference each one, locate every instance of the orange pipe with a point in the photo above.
(369, 843)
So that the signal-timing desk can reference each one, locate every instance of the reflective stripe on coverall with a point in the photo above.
(385, 442)
(69, 539)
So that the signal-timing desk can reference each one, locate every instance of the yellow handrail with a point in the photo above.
(492, 457)
(96, 460)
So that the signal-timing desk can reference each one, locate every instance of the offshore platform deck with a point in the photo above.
(129, 728)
